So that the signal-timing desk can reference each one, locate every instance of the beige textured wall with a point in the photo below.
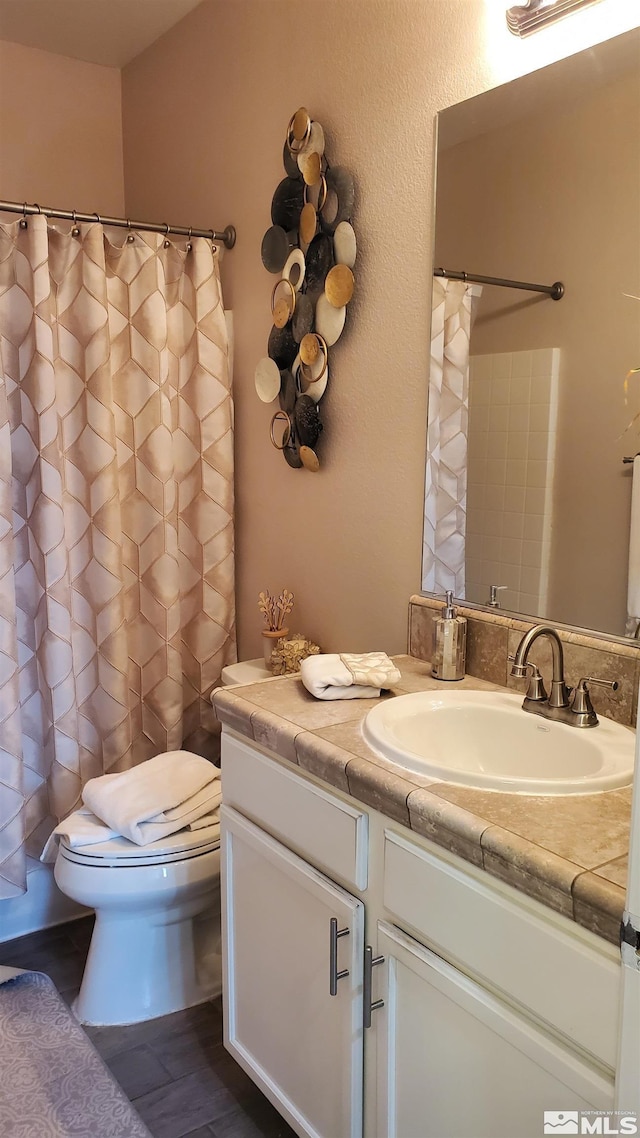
(204, 120)
(555, 196)
(60, 131)
(205, 109)
(205, 112)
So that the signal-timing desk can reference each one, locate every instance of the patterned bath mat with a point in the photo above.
(53, 1083)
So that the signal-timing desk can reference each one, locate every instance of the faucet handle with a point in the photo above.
(582, 705)
(581, 698)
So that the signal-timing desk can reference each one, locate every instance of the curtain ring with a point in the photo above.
(23, 220)
(189, 244)
(130, 235)
(36, 206)
(75, 232)
(166, 243)
(98, 217)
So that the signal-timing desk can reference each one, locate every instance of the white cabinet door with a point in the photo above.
(300, 1044)
(456, 1062)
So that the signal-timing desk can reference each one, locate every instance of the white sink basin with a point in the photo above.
(484, 739)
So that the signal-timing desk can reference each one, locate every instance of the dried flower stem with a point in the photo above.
(274, 611)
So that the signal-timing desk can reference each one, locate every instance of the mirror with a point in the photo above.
(539, 181)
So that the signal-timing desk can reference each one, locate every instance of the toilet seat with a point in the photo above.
(120, 852)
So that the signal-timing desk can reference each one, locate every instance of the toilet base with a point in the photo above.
(131, 975)
(156, 943)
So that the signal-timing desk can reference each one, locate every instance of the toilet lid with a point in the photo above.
(175, 847)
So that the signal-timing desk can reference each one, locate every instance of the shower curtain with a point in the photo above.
(445, 501)
(116, 514)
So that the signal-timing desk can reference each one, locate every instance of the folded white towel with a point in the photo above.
(156, 798)
(348, 675)
(82, 828)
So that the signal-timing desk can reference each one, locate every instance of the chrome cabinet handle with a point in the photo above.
(334, 975)
(369, 963)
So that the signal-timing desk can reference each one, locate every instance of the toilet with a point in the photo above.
(155, 947)
(245, 672)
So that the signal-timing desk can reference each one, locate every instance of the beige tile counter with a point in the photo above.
(568, 852)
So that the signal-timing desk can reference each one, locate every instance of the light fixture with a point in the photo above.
(531, 15)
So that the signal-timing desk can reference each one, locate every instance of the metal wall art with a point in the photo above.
(311, 248)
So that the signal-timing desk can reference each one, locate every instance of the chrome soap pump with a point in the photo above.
(449, 643)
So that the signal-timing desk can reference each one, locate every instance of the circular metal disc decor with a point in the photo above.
(276, 244)
(267, 379)
(302, 320)
(311, 247)
(338, 286)
(344, 244)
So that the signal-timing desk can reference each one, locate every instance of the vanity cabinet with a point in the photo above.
(485, 1007)
(455, 1060)
(293, 937)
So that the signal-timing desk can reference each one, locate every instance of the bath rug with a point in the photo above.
(53, 1083)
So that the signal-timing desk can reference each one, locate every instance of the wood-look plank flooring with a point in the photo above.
(174, 1069)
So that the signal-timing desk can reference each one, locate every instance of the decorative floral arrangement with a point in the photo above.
(289, 654)
(274, 611)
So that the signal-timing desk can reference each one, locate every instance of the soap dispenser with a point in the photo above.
(449, 643)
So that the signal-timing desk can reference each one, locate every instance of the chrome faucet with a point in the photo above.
(578, 713)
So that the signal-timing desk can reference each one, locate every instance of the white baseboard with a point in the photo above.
(42, 906)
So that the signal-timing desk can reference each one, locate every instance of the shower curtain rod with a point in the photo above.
(555, 291)
(227, 236)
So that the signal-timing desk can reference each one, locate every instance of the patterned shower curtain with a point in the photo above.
(445, 501)
(116, 514)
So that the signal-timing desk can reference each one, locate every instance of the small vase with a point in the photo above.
(270, 638)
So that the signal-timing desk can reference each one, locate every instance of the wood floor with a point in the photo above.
(174, 1069)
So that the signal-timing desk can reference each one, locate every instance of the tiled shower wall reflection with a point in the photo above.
(513, 400)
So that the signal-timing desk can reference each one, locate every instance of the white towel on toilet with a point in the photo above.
(82, 828)
(171, 792)
(156, 798)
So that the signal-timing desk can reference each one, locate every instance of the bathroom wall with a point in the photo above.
(205, 112)
(60, 131)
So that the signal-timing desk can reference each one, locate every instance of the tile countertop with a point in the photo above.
(568, 852)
